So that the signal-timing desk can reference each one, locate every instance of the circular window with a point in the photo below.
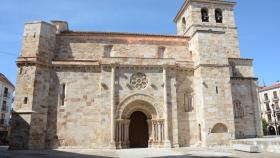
(139, 81)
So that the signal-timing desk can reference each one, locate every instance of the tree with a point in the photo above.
(265, 125)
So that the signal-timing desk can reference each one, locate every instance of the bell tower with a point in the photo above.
(210, 26)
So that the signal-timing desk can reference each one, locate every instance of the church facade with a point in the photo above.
(128, 90)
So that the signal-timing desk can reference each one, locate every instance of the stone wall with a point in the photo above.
(217, 104)
(187, 121)
(88, 101)
(83, 119)
(29, 117)
(91, 46)
(249, 126)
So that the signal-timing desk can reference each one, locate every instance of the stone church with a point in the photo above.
(132, 90)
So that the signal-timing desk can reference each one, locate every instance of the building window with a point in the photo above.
(267, 107)
(219, 15)
(199, 132)
(2, 120)
(217, 90)
(161, 51)
(4, 106)
(278, 117)
(62, 94)
(184, 24)
(204, 15)
(139, 81)
(269, 117)
(188, 102)
(25, 100)
(6, 92)
(238, 109)
(266, 97)
(276, 105)
(107, 51)
(275, 96)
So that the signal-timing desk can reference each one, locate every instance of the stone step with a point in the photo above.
(246, 148)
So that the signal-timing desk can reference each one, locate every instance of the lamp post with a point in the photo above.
(273, 110)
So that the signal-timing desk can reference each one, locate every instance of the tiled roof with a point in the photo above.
(4, 79)
(277, 85)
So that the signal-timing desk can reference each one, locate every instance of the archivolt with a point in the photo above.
(139, 102)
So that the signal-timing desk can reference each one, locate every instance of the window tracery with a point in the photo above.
(139, 81)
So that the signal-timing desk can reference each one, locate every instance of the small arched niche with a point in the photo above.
(183, 24)
(219, 128)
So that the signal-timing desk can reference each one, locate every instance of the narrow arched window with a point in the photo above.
(219, 15)
(204, 15)
(184, 24)
(188, 101)
(238, 109)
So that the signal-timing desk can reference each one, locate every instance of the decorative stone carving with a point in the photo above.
(139, 81)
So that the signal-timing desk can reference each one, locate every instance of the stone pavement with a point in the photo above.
(135, 153)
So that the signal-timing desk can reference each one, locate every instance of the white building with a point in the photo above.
(269, 99)
(6, 99)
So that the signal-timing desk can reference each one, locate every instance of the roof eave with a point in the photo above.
(7, 80)
(119, 34)
(269, 88)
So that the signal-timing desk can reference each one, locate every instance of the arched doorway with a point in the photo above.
(144, 109)
(138, 130)
(271, 130)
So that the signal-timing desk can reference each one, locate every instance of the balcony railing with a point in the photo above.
(275, 99)
(268, 111)
(7, 96)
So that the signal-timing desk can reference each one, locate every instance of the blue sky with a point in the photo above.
(258, 25)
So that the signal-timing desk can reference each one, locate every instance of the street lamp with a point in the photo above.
(273, 110)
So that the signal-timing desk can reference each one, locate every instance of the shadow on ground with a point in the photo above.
(192, 156)
(5, 153)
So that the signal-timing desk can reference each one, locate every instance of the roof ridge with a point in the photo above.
(124, 33)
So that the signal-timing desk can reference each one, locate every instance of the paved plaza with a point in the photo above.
(135, 153)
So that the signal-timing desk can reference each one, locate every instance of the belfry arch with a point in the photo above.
(147, 107)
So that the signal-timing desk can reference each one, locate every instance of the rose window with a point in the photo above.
(139, 81)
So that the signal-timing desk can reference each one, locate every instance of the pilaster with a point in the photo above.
(113, 106)
(165, 103)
